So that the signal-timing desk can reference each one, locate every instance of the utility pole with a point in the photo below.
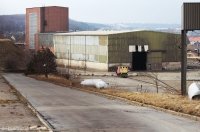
(183, 62)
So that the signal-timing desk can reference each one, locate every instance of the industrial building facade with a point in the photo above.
(84, 50)
(44, 19)
(105, 50)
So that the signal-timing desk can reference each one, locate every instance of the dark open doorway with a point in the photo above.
(139, 61)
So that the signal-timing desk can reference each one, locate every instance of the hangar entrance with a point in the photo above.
(139, 60)
(139, 56)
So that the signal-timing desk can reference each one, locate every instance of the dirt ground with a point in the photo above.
(131, 83)
(15, 115)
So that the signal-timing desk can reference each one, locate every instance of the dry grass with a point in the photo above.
(7, 101)
(176, 103)
(53, 79)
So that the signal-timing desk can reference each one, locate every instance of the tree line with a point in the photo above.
(10, 23)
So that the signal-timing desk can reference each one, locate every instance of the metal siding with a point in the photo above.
(62, 47)
(92, 40)
(46, 40)
(119, 44)
(154, 57)
(103, 50)
(118, 49)
(102, 58)
(78, 40)
(115, 47)
(77, 49)
(159, 43)
(103, 40)
(191, 16)
(83, 48)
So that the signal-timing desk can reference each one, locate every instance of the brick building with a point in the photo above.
(43, 20)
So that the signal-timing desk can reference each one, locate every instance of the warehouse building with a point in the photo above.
(105, 50)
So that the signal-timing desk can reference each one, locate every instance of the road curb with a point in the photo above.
(192, 117)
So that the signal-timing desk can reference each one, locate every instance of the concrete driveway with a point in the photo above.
(76, 111)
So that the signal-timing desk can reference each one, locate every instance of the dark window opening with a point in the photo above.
(139, 61)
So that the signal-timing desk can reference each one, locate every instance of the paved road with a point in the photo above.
(76, 111)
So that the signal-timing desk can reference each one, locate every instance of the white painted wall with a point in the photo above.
(81, 64)
(81, 48)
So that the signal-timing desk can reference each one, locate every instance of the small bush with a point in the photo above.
(43, 62)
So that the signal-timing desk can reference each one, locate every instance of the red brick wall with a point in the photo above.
(56, 18)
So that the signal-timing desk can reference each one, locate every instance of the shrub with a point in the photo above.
(42, 62)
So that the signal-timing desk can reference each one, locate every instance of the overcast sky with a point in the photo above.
(107, 11)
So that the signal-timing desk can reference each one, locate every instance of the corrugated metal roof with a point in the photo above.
(94, 32)
(55, 32)
(46, 33)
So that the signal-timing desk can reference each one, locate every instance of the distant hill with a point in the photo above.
(84, 26)
(14, 25)
(9, 23)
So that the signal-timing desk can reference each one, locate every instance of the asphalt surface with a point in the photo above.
(76, 111)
